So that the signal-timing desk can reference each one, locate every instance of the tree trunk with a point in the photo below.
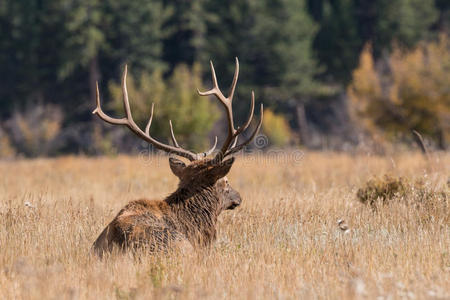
(302, 124)
(442, 142)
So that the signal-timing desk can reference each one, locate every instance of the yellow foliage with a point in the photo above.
(414, 94)
(365, 78)
(277, 128)
(35, 129)
(6, 149)
(25, 129)
(101, 142)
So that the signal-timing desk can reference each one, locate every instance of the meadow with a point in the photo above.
(283, 242)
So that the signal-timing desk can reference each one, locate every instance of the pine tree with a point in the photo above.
(338, 41)
(273, 40)
(134, 31)
(403, 21)
(30, 36)
(347, 25)
(185, 41)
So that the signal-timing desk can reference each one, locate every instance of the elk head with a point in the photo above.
(206, 173)
(203, 171)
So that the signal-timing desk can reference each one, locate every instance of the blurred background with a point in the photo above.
(344, 75)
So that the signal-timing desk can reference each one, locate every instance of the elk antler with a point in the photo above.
(129, 122)
(233, 133)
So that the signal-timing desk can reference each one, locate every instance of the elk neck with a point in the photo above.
(196, 209)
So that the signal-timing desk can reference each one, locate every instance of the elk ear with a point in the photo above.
(222, 169)
(177, 166)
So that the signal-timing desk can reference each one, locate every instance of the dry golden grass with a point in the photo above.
(282, 242)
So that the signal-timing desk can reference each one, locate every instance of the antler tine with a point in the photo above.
(147, 128)
(215, 90)
(172, 135)
(126, 103)
(99, 112)
(235, 141)
(250, 117)
(214, 77)
(235, 79)
(246, 142)
(245, 126)
(212, 148)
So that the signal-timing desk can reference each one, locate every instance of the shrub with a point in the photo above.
(34, 131)
(381, 189)
(276, 128)
(388, 189)
(102, 142)
(6, 149)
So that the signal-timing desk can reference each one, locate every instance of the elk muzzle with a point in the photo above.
(234, 199)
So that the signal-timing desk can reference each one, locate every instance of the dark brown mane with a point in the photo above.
(196, 211)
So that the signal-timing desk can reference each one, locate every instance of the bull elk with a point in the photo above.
(189, 215)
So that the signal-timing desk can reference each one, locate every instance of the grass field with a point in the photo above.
(283, 242)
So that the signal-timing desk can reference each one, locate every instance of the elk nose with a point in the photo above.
(236, 199)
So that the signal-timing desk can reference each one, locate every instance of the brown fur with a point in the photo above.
(187, 215)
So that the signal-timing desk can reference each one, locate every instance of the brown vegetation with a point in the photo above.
(418, 193)
(282, 242)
